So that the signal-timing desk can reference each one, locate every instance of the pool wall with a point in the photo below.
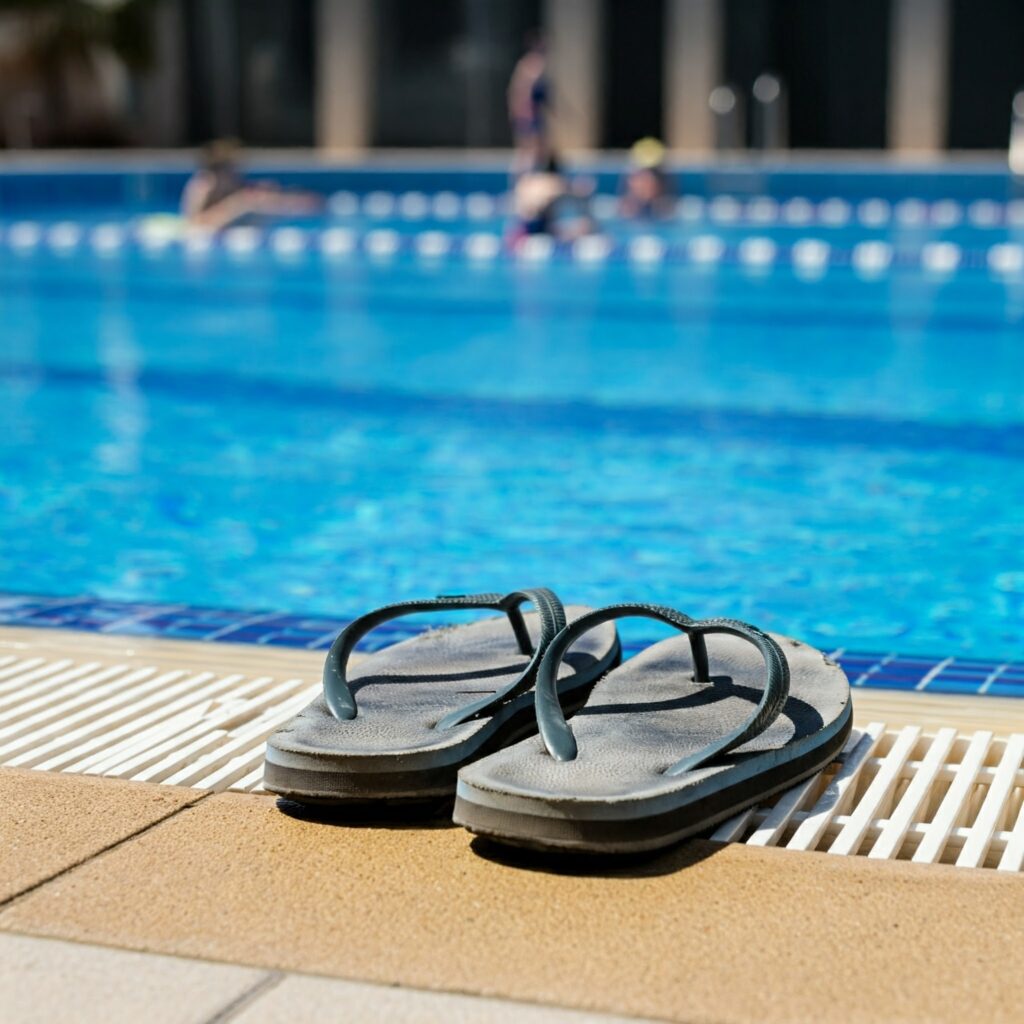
(158, 185)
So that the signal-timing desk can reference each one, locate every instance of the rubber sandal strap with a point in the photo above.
(558, 736)
(339, 697)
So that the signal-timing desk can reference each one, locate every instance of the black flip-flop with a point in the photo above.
(678, 738)
(402, 721)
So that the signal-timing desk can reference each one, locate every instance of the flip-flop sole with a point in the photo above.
(393, 749)
(643, 717)
(327, 788)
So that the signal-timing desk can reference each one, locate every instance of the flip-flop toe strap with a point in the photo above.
(339, 697)
(556, 732)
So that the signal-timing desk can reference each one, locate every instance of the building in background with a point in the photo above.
(919, 75)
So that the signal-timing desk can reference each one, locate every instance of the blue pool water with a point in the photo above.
(837, 455)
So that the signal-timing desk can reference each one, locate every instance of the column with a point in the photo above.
(693, 56)
(918, 75)
(574, 37)
(344, 74)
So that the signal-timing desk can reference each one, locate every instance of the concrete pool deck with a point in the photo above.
(121, 898)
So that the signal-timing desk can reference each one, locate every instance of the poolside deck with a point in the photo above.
(232, 910)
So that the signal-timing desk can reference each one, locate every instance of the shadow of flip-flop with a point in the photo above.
(597, 865)
(394, 814)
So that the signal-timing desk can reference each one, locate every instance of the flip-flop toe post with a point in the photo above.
(689, 732)
(399, 723)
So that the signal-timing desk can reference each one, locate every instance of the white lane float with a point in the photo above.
(798, 210)
(108, 238)
(481, 206)
(834, 212)
(592, 249)
(871, 258)
(242, 240)
(647, 249)
(911, 213)
(536, 248)
(382, 243)
(724, 209)
(413, 205)
(1006, 259)
(705, 249)
(335, 242)
(940, 257)
(64, 236)
(481, 246)
(984, 213)
(288, 242)
(343, 204)
(447, 205)
(1015, 213)
(763, 210)
(25, 234)
(379, 205)
(947, 213)
(757, 253)
(690, 208)
(810, 256)
(874, 212)
(155, 233)
(433, 244)
(198, 242)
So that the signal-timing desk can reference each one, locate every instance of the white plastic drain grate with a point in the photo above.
(180, 727)
(942, 797)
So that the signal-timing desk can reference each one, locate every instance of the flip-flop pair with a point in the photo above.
(687, 733)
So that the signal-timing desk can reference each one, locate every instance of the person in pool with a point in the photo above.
(545, 202)
(647, 190)
(529, 100)
(217, 195)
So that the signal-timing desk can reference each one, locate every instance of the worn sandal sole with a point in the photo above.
(642, 718)
(393, 748)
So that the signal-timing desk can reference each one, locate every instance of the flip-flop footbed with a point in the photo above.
(393, 749)
(642, 718)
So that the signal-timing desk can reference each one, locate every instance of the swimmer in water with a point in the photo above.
(217, 195)
(546, 203)
(529, 101)
(647, 191)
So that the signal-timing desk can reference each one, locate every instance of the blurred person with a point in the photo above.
(545, 202)
(217, 195)
(529, 101)
(647, 190)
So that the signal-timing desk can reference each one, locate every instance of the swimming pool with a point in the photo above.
(802, 406)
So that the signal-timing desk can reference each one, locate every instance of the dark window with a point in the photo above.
(634, 35)
(443, 67)
(832, 57)
(277, 72)
(987, 69)
(250, 71)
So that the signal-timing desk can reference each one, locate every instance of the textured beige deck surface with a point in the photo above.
(704, 933)
(52, 822)
(214, 657)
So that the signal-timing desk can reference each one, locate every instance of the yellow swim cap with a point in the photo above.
(647, 152)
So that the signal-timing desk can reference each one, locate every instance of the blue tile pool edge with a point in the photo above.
(966, 676)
